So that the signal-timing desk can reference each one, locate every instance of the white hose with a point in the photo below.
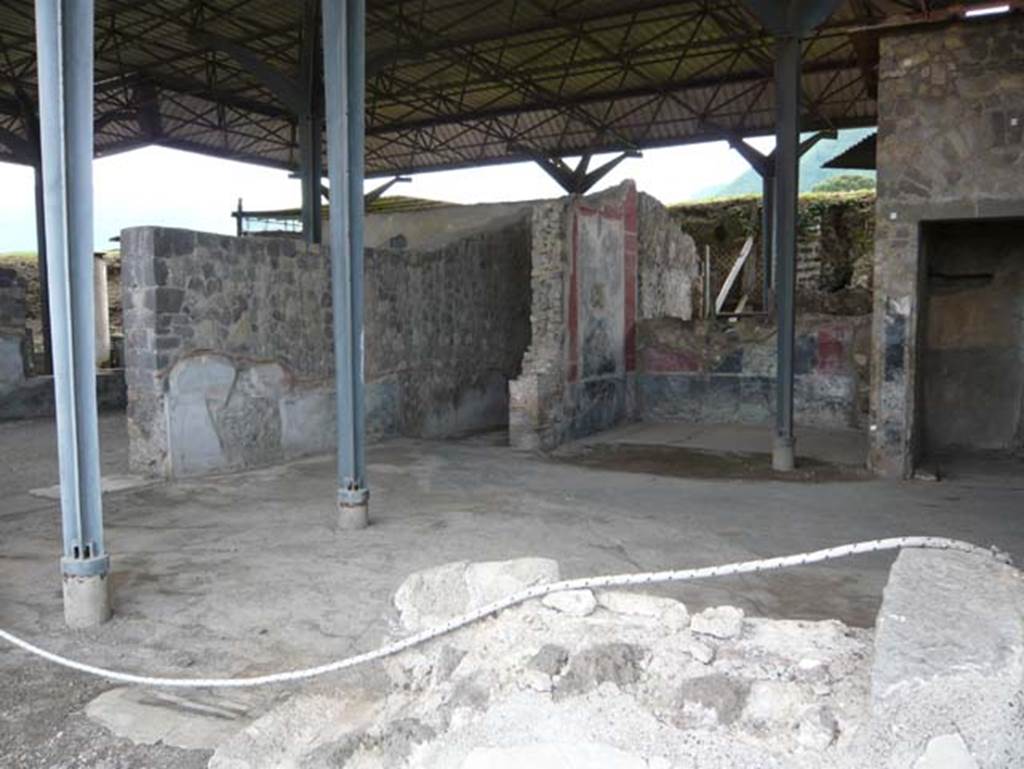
(538, 591)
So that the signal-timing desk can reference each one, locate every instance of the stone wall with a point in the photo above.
(22, 395)
(950, 146)
(447, 329)
(600, 263)
(438, 226)
(835, 238)
(717, 371)
(229, 346)
(669, 276)
(14, 342)
(577, 374)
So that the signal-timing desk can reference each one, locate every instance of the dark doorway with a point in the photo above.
(972, 373)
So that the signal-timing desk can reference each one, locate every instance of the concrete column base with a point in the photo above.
(783, 454)
(353, 509)
(87, 601)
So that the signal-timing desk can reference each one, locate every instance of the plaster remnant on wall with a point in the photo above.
(600, 264)
(716, 371)
(15, 343)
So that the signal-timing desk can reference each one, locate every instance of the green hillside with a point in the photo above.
(811, 172)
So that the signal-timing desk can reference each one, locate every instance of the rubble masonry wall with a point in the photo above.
(229, 348)
(950, 147)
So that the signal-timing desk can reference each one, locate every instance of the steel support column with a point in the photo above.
(767, 238)
(30, 118)
(310, 175)
(64, 34)
(311, 170)
(344, 70)
(787, 160)
(42, 266)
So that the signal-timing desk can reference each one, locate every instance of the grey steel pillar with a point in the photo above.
(767, 238)
(344, 73)
(64, 39)
(311, 169)
(43, 271)
(310, 174)
(787, 159)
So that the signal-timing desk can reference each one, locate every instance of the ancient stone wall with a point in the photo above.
(950, 146)
(14, 343)
(22, 394)
(717, 371)
(668, 278)
(835, 237)
(577, 374)
(229, 346)
(439, 225)
(447, 329)
(600, 263)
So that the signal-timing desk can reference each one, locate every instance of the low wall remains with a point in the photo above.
(14, 342)
(22, 395)
(229, 347)
(229, 352)
(628, 680)
(599, 264)
(720, 371)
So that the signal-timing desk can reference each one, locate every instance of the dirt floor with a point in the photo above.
(243, 574)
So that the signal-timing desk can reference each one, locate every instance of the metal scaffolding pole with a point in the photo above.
(64, 34)
(787, 159)
(344, 70)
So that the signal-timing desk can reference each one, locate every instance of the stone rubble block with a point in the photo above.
(669, 612)
(929, 628)
(577, 603)
(433, 596)
(727, 693)
(817, 729)
(616, 663)
(550, 659)
(948, 668)
(701, 652)
(723, 622)
(947, 751)
(492, 580)
(777, 703)
(718, 695)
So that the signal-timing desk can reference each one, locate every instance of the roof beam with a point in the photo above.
(286, 89)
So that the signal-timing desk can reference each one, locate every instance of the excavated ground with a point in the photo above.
(242, 574)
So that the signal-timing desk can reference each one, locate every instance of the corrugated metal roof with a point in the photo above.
(457, 82)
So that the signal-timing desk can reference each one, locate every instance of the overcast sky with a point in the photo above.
(168, 187)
